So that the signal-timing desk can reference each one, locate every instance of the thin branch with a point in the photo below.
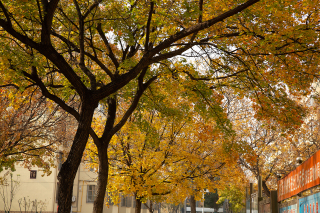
(10, 85)
(200, 26)
(93, 6)
(110, 52)
(5, 11)
(200, 10)
(146, 45)
(133, 106)
(93, 58)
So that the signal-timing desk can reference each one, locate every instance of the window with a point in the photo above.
(128, 201)
(33, 174)
(91, 193)
(123, 201)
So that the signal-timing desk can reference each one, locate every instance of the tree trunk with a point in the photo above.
(193, 204)
(138, 206)
(102, 180)
(150, 207)
(70, 166)
(102, 145)
(265, 188)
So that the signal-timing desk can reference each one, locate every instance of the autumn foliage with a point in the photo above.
(110, 53)
(31, 130)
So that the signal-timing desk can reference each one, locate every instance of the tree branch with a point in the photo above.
(200, 26)
(146, 45)
(5, 11)
(93, 58)
(201, 10)
(133, 106)
(111, 117)
(94, 5)
(105, 40)
(34, 76)
(47, 21)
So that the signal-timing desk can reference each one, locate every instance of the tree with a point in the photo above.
(99, 50)
(274, 150)
(211, 199)
(164, 158)
(31, 129)
(8, 190)
(235, 194)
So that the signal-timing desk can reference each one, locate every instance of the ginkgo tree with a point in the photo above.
(99, 50)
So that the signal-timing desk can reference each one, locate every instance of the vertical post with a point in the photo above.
(259, 192)
(274, 202)
(259, 187)
(250, 193)
(203, 207)
(247, 195)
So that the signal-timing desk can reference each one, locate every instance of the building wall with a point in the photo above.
(44, 189)
(40, 189)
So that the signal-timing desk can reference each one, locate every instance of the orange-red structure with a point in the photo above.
(305, 176)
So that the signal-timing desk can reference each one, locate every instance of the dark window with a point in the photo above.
(33, 174)
(91, 193)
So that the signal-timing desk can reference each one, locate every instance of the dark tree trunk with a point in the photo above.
(102, 145)
(102, 180)
(70, 166)
(193, 204)
(265, 188)
(138, 206)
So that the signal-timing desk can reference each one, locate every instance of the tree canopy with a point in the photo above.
(31, 130)
(165, 158)
(101, 52)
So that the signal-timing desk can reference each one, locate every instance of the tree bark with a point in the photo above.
(193, 204)
(265, 188)
(138, 205)
(70, 166)
(102, 180)
(102, 145)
